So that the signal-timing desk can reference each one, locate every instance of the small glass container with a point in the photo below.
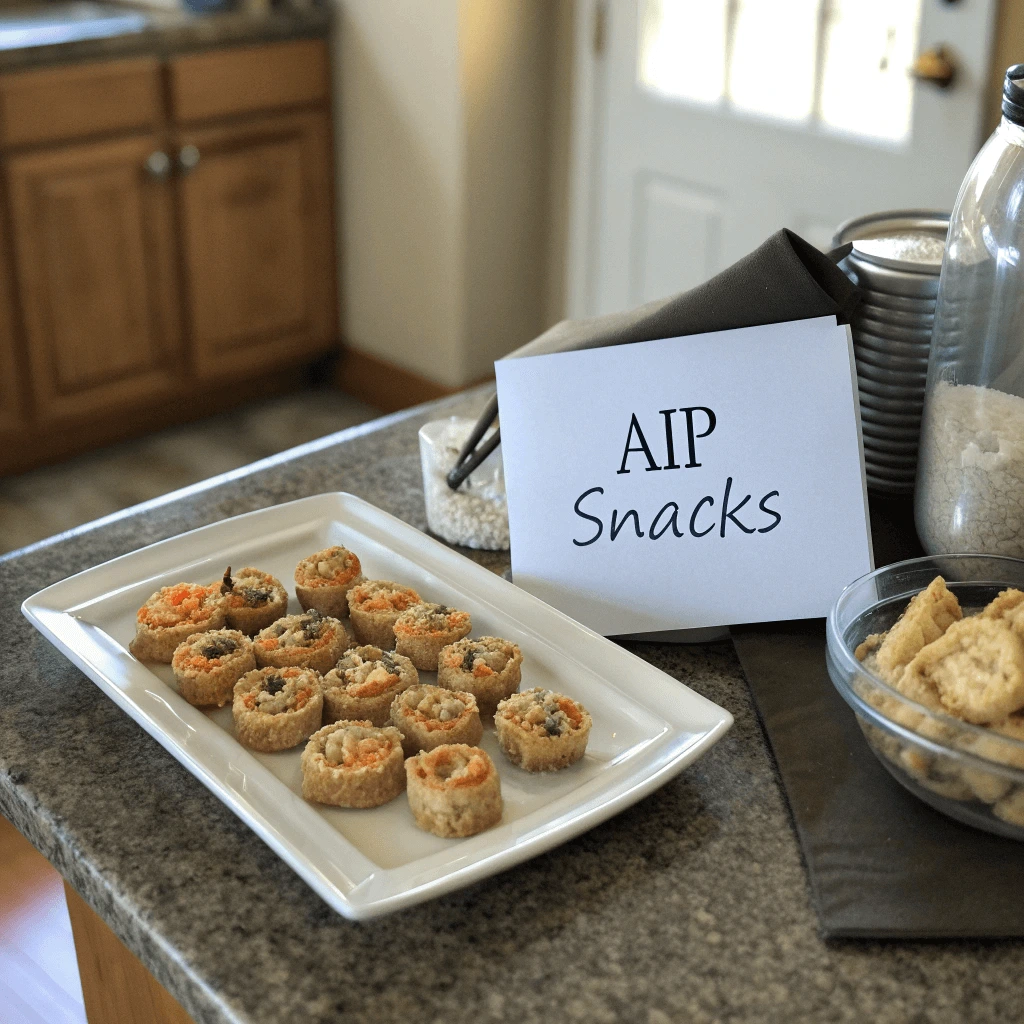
(970, 481)
(969, 772)
(475, 515)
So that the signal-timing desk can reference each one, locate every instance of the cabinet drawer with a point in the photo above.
(53, 104)
(221, 83)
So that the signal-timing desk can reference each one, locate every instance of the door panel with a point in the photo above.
(93, 245)
(669, 209)
(258, 242)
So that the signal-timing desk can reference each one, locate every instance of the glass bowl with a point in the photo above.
(969, 772)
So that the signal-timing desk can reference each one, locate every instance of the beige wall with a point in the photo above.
(443, 134)
(400, 194)
(1007, 49)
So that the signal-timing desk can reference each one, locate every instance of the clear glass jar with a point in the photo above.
(970, 479)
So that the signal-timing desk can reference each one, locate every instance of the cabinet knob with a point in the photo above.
(188, 157)
(158, 164)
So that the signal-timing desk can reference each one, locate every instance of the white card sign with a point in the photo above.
(698, 481)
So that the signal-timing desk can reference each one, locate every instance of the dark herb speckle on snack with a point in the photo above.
(218, 647)
(467, 661)
(255, 596)
(275, 684)
(312, 623)
(227, 584)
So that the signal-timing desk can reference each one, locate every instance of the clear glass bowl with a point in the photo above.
(969, 772)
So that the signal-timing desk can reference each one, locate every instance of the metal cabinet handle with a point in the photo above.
(188, 157)
(158, 164)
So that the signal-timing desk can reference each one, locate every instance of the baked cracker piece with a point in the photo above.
(1005, 602)
(976, 668)
(1008, 606)
(927, 617)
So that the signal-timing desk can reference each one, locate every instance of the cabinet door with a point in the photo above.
(258, 242)
(93, 246)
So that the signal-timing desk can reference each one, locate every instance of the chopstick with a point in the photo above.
(470, 457)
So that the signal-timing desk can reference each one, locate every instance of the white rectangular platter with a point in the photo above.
(647, 726)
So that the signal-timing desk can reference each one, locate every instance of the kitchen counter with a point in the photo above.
(693, 905)
(170, 31)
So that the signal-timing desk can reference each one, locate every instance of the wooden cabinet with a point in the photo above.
(257, 246)
(171, 226)
(93, 242)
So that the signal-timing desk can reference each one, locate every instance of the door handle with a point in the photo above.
(188, 158)
(936, 66)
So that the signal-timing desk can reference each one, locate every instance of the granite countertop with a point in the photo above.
(693, 905)
(176, 30)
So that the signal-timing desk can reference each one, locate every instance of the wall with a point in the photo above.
(400, 194)
(1007, 49)
(443, 174)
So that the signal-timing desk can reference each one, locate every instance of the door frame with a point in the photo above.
(586, 166)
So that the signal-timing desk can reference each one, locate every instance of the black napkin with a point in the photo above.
(882, 864)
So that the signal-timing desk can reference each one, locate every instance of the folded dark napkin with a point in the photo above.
(785, 278)
(882, 864)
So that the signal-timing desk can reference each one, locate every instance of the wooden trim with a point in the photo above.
(117, 988)
(384, 385)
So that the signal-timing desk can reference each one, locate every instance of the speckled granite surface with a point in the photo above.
(692, 906)
(178, 30)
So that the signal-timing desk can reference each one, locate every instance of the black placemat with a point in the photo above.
(882, 864)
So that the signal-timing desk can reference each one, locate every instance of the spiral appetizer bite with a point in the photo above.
(207, 665)
(489, 668)
(540, 730)
(309, 640)
(323, 580)
(454, 790)
(173, 614)
(430, 716)
(276, 709)
(252, 599)
(374, 606)
(353, 764)
(422, 631)
(364, 683)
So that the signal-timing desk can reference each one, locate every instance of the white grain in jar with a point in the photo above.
(475, 515)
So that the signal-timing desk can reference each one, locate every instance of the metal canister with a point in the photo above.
(895, 261)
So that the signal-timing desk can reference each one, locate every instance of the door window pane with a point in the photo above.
(772, 65)
(869, 45)
(682, 48)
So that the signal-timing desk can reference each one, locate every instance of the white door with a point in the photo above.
(703, 126)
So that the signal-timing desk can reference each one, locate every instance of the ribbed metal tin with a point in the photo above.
(895, 261)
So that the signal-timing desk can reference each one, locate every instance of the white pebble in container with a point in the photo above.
(475, 515)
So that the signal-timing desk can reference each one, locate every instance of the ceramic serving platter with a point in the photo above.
(647, 726)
